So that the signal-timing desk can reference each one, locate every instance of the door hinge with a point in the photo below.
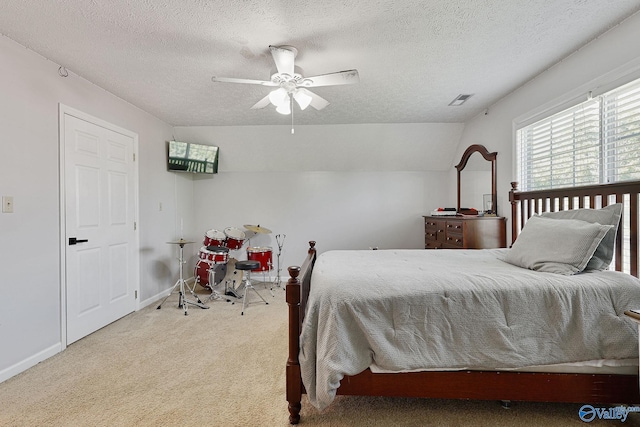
(136, 294)
(134, 157)
(135, 226)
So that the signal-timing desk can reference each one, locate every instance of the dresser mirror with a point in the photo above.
(477, 180)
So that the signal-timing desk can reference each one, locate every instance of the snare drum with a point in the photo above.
(214, 254)
(261, 254)
(214, 238)
(235, 237)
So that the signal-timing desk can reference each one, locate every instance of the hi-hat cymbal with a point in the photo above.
(257, 229)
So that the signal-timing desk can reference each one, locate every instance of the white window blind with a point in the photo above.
(597, 141)
(621, 133)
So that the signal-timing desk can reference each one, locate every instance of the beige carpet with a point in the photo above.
(217, 368)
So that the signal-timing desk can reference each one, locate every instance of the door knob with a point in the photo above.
(73, 240)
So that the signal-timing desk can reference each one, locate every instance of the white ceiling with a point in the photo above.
(414, 56)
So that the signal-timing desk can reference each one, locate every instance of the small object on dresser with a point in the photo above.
(444, 212)
(468, 211)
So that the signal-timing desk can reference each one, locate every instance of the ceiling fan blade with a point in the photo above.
(332, 79)
(262, 103)
(246, 81)
(317, 101)
(284, 59)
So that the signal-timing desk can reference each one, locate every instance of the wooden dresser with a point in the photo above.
(468, 232)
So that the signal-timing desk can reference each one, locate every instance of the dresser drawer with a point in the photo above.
(454, 227)
(430, 235)
(431, 223)
(455, 241)
(431, 244)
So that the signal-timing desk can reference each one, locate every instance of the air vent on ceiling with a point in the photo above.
(460, 99)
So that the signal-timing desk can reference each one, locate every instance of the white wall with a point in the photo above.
(30, 326)
(609, 58)
(345, 186)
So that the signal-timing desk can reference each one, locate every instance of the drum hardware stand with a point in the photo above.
(183, 302)
(280, 241)
(247, 266)
(267, 279)
(231, 290)
(215, 295)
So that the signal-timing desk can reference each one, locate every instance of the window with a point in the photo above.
(596, 141)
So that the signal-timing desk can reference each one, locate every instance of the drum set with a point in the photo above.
(215, 266)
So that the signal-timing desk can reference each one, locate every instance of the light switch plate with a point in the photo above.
(7, 204)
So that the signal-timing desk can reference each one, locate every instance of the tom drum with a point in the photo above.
(235, 237)
(262, 255)
(214, 238)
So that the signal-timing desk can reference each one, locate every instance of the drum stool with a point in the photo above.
(247, 266)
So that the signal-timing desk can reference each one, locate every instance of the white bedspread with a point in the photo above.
(403, 310)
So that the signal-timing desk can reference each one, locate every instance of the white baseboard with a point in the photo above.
(29, 362)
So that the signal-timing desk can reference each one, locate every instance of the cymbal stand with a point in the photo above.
(183, 302)
(280, 242)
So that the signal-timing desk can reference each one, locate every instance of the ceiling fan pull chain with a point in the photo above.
(291, 100)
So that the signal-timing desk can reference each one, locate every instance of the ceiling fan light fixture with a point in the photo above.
(289, 84)
(279, 96)
(302, 99)
(285, 107)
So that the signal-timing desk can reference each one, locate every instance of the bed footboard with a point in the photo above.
(297, 293)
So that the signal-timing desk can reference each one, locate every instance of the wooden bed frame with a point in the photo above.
(488, 385)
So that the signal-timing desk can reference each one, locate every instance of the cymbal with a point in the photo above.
(257, 229)
(180, 242)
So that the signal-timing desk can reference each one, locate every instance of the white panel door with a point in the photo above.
(99, 181)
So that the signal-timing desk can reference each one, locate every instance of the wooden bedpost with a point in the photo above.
(297, 293)
(514, 212)
(294, 386)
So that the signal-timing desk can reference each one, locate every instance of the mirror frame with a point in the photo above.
(490, 157)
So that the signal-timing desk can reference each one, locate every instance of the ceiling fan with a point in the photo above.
(292, 85)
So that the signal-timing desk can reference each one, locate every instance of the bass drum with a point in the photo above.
(201, 273)
(208, 274)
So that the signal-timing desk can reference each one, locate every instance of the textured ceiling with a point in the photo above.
(414, 56)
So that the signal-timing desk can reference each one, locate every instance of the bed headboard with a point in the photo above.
(526, 203)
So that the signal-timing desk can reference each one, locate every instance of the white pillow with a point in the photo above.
(609, 215)
(562, 246)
